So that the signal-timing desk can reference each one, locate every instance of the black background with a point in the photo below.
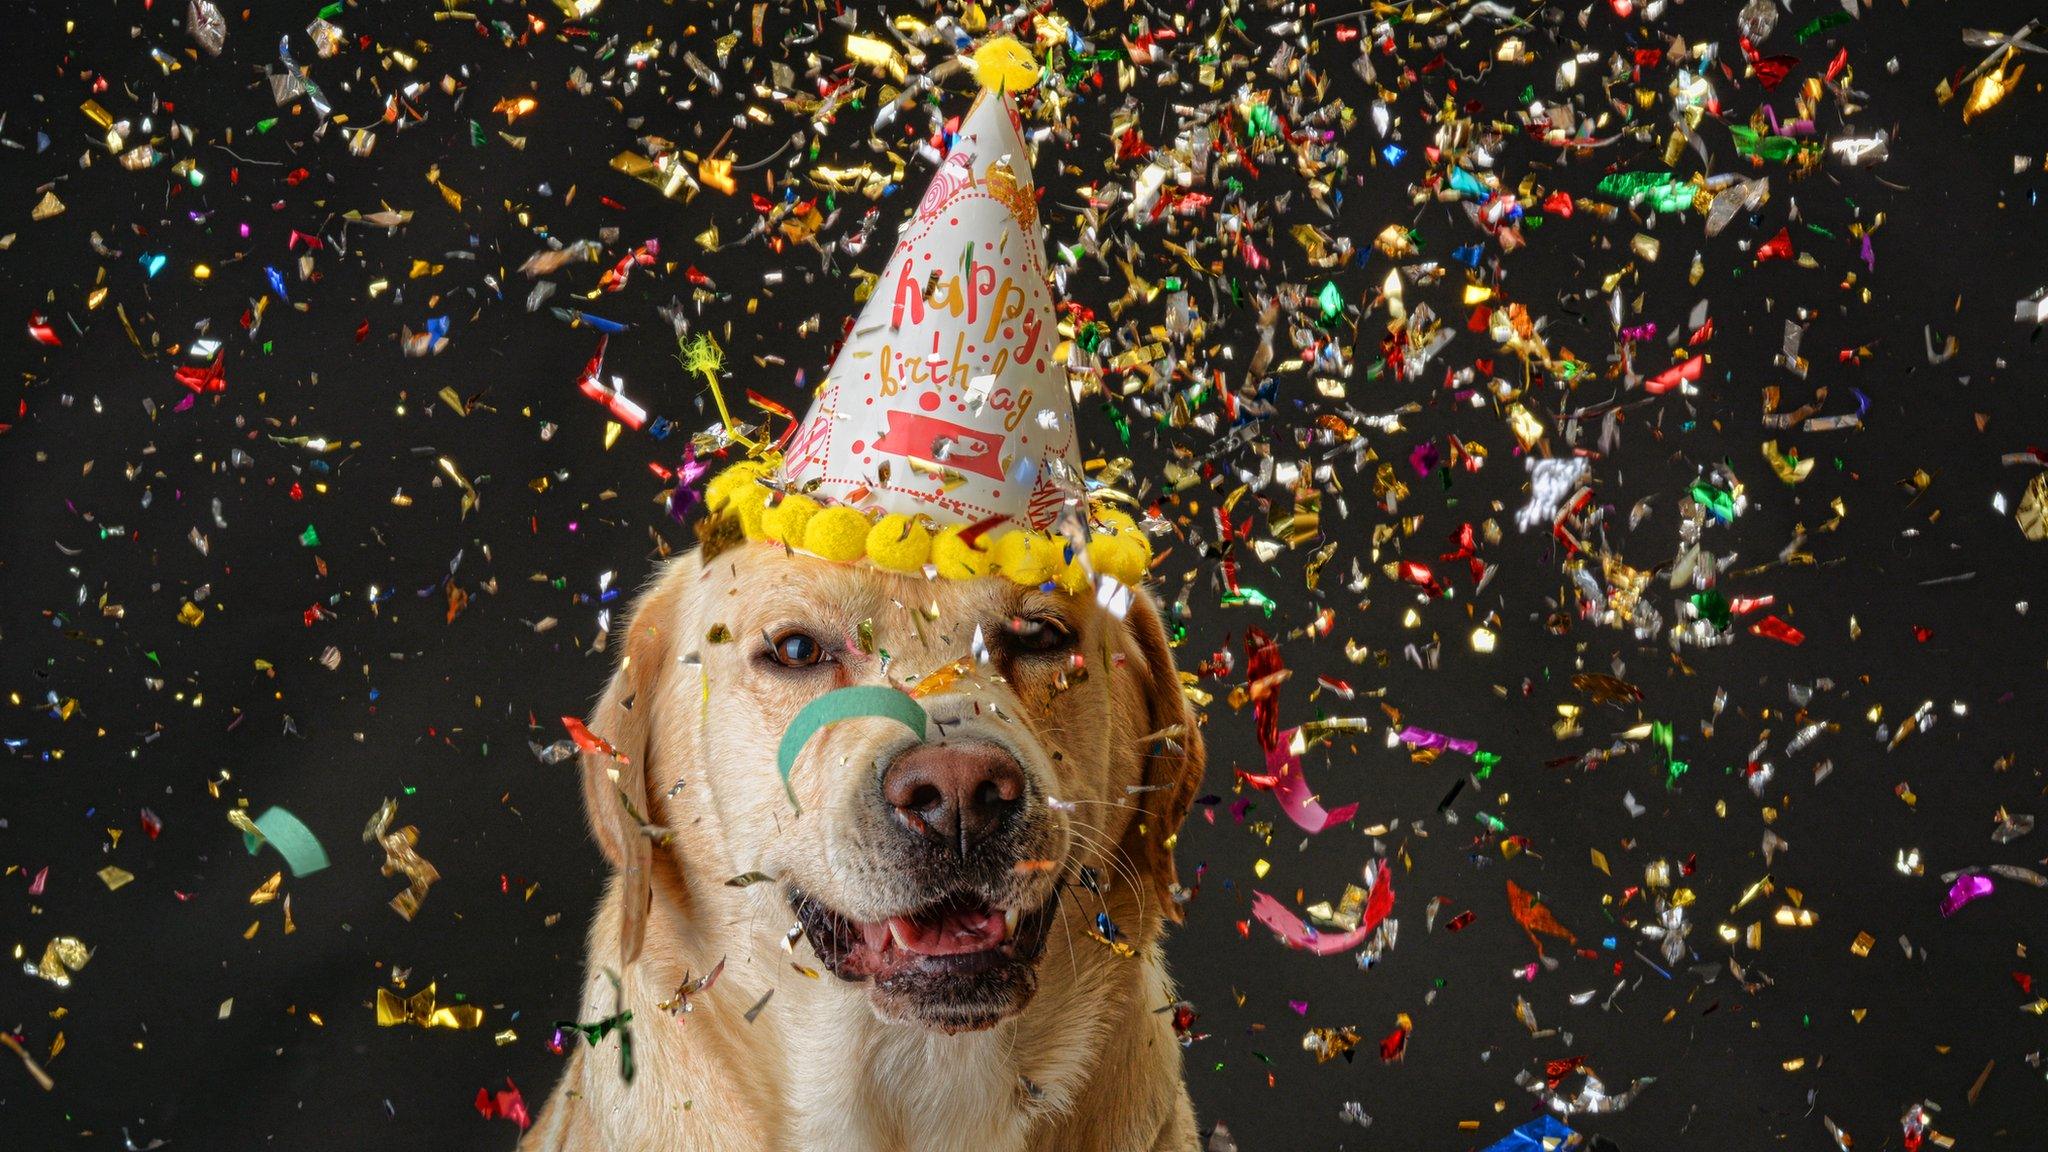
(439, 714)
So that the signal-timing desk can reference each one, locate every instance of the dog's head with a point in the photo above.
(1059, 759)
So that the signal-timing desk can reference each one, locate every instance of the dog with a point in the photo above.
(951, 941)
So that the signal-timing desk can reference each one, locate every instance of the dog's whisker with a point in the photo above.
(1125, 868)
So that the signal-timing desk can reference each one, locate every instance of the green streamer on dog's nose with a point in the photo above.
(839, 706)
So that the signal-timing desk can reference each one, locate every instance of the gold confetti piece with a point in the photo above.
(245, 825)
(2033, 510)
(1992, 87)
(1862, 944)
(114, 877)
(227, 1009)
(62, 957)
(1260, 868)
(1600, 861)
(717, 173)
(267, 891)
(421, 1009)
(1977, 1088)
(1120, 947)
(508, 1036)
(877, 53)
(47, 207)
(401, 857)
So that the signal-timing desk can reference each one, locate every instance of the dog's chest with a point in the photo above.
(885, 1088)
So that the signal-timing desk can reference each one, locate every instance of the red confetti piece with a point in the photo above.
(589, 741)
(1777, 629)
(506, 1104)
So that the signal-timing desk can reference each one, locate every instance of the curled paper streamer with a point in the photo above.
(1963, 891)
(837, 707)
(1291, 788)
(1296, 933)
(292, 839)
(1424, 738)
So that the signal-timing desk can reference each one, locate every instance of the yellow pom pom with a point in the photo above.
(837, 533)
(748, 504)
(786, 521)
(1114, 519)
(1071, 576)
(957, 559)
(1123, 557)
(898, 543)
(1028, 557)
(731, 482)
(1004, 65)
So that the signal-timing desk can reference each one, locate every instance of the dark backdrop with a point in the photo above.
(112, 705)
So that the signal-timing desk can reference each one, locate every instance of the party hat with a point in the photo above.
(944, 434)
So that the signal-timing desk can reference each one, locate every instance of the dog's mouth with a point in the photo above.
(960, 934)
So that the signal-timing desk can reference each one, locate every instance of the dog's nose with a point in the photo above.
(954, 794)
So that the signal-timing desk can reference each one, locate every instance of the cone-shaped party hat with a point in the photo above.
(944, 433)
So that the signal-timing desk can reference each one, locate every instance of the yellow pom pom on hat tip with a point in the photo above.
(898, 543)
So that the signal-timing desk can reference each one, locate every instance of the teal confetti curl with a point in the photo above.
(839, 706)
(292, 839)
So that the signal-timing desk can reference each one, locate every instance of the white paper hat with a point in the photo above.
(948, 408)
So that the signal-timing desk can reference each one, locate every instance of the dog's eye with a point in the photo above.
(796, 650)
(1037, 635)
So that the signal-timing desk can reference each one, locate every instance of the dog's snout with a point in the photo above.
(954, 794)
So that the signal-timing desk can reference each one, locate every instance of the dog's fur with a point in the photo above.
(695, 713)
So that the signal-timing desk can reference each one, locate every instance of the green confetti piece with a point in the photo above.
(1251, 596)
(839, 706)
(1713, 608)
(1332, 302)
(1721, 504)
(1822, 24)
(1776, 149)
(1486, 761)
(264, 125)
(1628, 185)
(476, 135)
(333, 10)
(310, 538)
(293, 840)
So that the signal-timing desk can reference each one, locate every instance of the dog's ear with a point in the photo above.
(623, 812)
(1172, 754)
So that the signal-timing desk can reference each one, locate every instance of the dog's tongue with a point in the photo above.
(952, 933)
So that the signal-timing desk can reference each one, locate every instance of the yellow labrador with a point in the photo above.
(928, 926)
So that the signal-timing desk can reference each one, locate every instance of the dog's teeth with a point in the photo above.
(875, 936)
(1010, 917)
(896, 934)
